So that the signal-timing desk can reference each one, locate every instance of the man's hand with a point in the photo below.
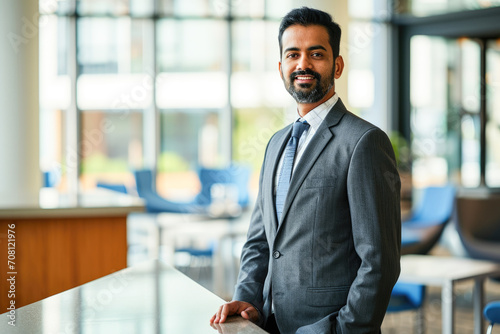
(246, 310)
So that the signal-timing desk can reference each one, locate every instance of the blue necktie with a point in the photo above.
(286, 168)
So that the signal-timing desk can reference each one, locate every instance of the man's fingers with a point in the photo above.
(223, 312)
(216, 317)
(246, 310)
(227, 310)
(250, 313)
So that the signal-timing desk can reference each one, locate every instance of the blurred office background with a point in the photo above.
(92, 90)
(174, 85)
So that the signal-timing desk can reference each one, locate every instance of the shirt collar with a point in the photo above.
(318, 114)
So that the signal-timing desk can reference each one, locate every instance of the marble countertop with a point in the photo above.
(148, 298)
(99, 202)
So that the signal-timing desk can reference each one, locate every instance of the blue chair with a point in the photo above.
(156, 203)
(118, 187)
(406, 297)
(419, 234)
(492, 313)
(427, 221)
(233, 175)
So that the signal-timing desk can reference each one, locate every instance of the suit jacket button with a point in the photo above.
(276, 254)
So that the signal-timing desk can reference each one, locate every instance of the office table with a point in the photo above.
(445, 272)
(151, 297)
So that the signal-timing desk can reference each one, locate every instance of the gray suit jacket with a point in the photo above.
(330, 264)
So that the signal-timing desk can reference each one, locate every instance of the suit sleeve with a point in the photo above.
(373, 188)
(254, 259)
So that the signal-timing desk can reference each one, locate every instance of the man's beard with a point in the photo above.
(305, 95)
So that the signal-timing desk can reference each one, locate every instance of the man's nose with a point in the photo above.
(304, 63)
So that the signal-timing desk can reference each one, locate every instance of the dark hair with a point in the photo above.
(308, 16)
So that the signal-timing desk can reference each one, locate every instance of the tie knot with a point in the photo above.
(299, 128)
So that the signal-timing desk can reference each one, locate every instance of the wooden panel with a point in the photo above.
(56, 254)
(105, 249)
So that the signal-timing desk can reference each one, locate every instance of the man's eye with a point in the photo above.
(291, 55)
(317, 54)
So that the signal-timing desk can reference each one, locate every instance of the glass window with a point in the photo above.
(471, 174)
(110, 146)
(56, 7)
(429, 110)
(189, 139)
(361, 9)
(242, 8)
(198, 8)
(367, 60)
(115, 87)
(156, 89)
(493, 109)
(255, 46)
(471, 76)
(192, 92)
(470, 105)
(107, 45)
(445, 114)
(115, 72)
(191, 45)
(277, 9)
(115, 7)
(142, 7)
(55, 99)
(257, 92)
(435, 7)
(252, 130)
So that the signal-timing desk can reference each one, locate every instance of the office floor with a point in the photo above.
(404, 322)
(220, 277)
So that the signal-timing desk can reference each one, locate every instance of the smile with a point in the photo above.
(304, 77)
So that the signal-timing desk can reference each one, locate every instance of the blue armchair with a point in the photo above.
(406, 297)
(156, 203)
(419, 234)
(118, 187)
(427, 221)
(238, 176)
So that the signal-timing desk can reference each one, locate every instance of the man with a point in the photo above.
(323, 257)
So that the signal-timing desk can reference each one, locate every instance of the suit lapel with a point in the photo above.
(317, 144)
(275, 151)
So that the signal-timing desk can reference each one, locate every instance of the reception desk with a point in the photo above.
(55, 248)
(148, 298)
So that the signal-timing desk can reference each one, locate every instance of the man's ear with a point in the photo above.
(339, 66)
(279, 68)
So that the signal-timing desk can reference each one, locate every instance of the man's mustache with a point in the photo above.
(295, 74)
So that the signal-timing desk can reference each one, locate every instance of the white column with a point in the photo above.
(20, 177)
